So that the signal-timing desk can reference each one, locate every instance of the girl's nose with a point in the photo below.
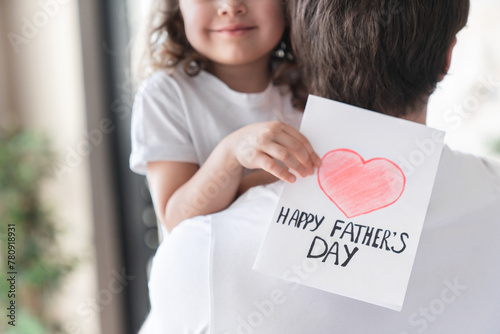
(231, 7)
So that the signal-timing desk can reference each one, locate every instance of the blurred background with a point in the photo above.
(85, 226)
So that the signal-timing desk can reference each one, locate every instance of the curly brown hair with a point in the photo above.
(167, 47)
(382, 55)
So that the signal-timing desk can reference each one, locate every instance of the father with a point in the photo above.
(385, 56)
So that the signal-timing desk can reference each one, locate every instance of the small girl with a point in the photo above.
(218, 103)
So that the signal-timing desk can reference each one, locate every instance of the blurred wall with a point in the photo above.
(42, 88)
(467, 102)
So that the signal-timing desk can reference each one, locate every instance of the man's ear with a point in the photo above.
(447, 60)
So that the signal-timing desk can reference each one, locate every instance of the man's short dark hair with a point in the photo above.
(383, 55)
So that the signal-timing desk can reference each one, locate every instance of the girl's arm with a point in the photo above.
(254, 179)
(181, 190)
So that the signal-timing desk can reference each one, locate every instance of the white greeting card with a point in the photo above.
(354, 226)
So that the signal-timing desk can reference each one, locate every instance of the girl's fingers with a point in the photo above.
(268, 164)
(295, 147)
(275, 140)
(312, 156)
(288, 158)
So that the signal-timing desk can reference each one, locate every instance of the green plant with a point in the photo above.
(496, 146)
(25, 162)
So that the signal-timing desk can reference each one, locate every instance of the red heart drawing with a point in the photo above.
(358, 187)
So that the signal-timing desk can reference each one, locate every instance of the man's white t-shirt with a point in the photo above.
(202, 279)
(182, 118)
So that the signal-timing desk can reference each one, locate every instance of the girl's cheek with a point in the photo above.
(276, 11)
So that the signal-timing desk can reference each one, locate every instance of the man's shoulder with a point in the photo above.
(465, 185)
(471, 172)
(490, 167)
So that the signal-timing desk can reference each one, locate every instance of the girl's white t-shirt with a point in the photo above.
(182, 118)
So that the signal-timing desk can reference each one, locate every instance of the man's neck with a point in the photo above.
(418, 115)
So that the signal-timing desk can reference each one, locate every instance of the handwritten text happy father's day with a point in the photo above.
(347, 234)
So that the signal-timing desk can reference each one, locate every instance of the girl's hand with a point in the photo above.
(258, 145)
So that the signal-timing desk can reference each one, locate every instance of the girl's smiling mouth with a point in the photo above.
(235, 29)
